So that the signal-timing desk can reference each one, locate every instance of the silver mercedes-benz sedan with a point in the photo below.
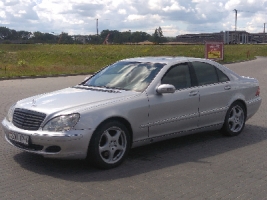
(130, 103)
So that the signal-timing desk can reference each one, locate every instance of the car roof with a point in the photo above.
(157, 59)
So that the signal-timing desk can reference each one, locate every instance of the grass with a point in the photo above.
(43, 59)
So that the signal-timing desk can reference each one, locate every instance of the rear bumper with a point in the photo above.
(71, 144)
(253, 106)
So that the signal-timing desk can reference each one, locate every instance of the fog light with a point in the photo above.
(53, 149)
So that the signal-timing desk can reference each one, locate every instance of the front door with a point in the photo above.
(178, 111)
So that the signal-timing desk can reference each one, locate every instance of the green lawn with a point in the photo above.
(44, 59)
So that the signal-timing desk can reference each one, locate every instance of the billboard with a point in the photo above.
(214, 50)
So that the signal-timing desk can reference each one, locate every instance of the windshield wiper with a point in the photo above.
(106, 87)
(115, 88)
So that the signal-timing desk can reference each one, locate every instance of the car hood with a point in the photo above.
(70, 98)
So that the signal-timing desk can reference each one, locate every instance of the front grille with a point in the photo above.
(27, 119)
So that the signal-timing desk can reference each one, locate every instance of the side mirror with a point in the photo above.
(165, 88)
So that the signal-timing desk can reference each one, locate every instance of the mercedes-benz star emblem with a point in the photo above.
(34, 102)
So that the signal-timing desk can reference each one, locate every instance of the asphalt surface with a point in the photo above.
(201, 166)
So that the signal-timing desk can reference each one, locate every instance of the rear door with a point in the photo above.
(215, 92)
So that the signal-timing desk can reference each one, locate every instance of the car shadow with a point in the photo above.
(190, 148)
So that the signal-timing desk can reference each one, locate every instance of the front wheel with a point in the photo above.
(234, 120)
(109, 145)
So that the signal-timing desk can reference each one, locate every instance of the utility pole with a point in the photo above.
(263, 40)
(235, 18)
(96, 26)
(235, 24)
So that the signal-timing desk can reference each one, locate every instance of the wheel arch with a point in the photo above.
(226, 129)
(95, 156)
(238, 97)
(243, 103)
(123, 121)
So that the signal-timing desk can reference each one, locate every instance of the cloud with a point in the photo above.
(18, 14)
(84, 10)
(174, 16)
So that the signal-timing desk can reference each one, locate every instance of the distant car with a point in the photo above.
(130, 103)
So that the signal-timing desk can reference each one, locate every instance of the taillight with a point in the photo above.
(258, 92)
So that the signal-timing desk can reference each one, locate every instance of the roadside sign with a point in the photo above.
(214, 50)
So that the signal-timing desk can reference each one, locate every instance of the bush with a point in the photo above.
(22, 63)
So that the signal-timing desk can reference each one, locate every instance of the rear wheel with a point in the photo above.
(109, 145)
(234, 120)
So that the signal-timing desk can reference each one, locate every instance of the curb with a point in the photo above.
(40, 76)
(239, 61)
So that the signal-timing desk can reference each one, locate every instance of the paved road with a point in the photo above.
(200, 166)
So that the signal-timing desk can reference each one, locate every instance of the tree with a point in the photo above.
(94, 39)
(7, 34)
(126, 36)
(25, 35)
(64, 38)
(139, 36)
(158, 35)
(115, 37)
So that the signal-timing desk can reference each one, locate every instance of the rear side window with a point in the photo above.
(222, 77)
(208, 74)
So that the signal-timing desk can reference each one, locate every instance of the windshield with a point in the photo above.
(126, 76)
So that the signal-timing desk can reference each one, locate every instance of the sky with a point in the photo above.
(175, 17)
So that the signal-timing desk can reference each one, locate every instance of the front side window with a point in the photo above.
(178, 76)
(126, 76)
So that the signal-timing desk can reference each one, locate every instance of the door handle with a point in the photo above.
(228, 87)
(193, 93)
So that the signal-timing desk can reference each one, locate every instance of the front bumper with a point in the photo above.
(71, 144)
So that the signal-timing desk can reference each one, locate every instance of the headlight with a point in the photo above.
(62, 123)
(9, 116)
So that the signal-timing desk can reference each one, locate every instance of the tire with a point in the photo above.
(109, 145)
(235, 120)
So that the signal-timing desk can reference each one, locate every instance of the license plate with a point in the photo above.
(18, 137)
